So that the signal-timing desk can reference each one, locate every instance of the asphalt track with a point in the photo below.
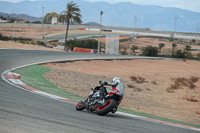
(25, 112)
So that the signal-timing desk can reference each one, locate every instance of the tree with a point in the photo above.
(150, 51)
(71, 15)
(161, 45)
(187, 48)
(173, 48)
(48, 17)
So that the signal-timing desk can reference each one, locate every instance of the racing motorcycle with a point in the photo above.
(101, 103)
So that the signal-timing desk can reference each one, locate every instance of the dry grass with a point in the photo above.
(190, 99)
(135, 89)
(180, 83)
(139, 80)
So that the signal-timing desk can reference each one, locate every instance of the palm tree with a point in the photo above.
(173, 48)
(71, 15)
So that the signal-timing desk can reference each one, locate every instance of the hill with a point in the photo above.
(120, 14)
(23, 16)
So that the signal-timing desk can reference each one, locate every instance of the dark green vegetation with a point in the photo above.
(88, 43)
(23, 40)
(150, 51)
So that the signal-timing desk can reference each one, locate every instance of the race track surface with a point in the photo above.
(25, 112)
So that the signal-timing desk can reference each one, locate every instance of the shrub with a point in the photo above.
(150, 51)
(161, 45)
(183, 54)
(89, 43)
(41, 43)
(171, 39)
(123, 53)
(21, 41)
(4, 38)
(193, 40)
(37, 22)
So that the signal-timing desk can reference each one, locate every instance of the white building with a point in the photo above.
(3, 21)
(54, 20)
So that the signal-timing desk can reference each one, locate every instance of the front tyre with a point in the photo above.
(106, 108)
(80, 106)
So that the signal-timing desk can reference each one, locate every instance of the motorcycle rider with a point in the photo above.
(116, 84)
(117, 88)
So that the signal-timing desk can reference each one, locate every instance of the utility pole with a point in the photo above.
(175, 18)
(42, 15)
(99, 42)
(136, 22)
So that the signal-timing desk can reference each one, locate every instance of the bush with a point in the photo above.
(123, 53)
(193, 40)
(4, 38)
(150, 51)
(41, 43)
(183, 54)
(22, 41)
(37, 22)
(89, 43)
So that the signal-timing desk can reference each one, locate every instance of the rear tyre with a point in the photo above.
(80, 106)
(106, 108)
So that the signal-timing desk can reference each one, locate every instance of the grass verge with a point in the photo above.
(32, 76)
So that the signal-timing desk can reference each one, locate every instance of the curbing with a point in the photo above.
(15, 79)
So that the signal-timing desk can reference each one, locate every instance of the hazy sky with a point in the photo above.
(192, 5)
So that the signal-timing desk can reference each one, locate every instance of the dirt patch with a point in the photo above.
(146, 83)
(34, 33)
(16, 45)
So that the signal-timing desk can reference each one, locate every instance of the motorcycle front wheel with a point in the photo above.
(80, 106)
(106, 108)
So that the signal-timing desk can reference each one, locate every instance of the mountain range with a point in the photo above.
(123, 14)
(23, 16)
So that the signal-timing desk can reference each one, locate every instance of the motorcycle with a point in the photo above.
(101, 103)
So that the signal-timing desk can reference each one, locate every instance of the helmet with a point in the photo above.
(117, 80)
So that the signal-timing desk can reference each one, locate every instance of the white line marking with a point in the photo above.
(49, 95)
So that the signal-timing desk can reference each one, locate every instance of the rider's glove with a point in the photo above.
(103, 83)
(100, 82)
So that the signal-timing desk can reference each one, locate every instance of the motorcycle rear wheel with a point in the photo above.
(106, 108)
(80, 106)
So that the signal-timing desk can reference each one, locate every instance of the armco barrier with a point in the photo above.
(81, 50)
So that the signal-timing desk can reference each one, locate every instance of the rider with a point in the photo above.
(117, 87)
(116, 84)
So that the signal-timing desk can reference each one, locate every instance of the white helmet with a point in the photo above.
(117, 80)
